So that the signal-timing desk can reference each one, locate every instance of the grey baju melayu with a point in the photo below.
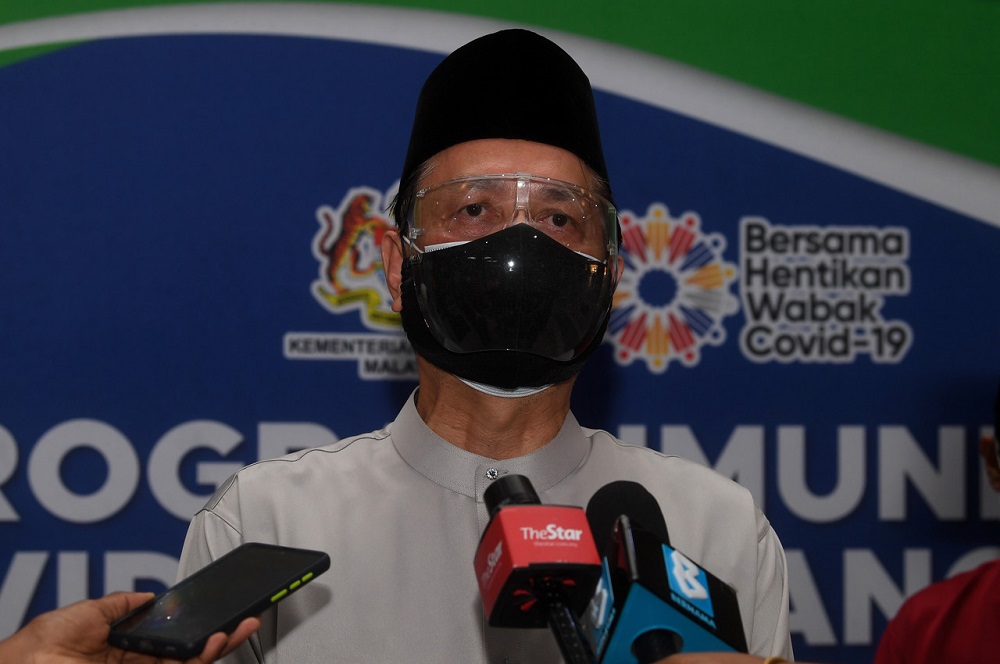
(400, 513)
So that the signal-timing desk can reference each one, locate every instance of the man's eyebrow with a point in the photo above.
(557, 193)
(485, 184)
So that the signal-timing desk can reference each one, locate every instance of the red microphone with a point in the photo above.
(537, 565)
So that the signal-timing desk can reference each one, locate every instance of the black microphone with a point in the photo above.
(624, 497)
(537, 565)
(652, 601)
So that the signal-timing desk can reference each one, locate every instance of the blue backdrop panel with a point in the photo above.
(190, 282)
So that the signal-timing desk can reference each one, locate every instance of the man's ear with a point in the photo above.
(988, 450)
(392, 263)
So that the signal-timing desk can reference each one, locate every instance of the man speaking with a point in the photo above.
(503, 268)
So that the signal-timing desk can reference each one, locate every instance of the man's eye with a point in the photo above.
(560, 220)
(473, 210)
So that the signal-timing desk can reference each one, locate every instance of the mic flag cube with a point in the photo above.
(525, 551)
(653, 599)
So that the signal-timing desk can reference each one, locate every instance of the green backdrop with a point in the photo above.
(922, 69)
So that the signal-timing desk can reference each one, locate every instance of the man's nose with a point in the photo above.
(521, 216)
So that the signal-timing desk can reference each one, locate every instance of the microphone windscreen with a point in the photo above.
(510, 490)
(629, 498)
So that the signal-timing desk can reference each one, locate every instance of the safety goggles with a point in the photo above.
(470, 208)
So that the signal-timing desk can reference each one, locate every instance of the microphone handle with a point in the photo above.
(564, 625)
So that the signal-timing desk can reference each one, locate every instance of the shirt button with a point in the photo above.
(492, 474)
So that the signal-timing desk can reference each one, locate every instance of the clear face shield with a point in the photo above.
(473, 207)
(513, 262)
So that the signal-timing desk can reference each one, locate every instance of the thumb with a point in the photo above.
(117, 604)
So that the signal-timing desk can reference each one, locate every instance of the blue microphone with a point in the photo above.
(652, 601)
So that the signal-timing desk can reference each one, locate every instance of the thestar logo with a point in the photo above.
(551, 532)
(674, 292)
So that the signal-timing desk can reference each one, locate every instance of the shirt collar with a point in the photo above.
(469, 474)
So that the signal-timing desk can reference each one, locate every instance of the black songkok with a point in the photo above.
(509, 84)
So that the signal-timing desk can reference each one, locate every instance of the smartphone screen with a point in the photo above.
(243, 583)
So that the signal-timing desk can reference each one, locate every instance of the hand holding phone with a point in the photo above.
(216, 598)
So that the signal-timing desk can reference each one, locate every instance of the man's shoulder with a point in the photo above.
(608, 444)
(935, 597)
(356, 444)
(702, 507)
(669, 472)
(315, 462)
(964, 598)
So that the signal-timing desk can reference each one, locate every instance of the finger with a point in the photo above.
(219, 644)
(212, 651)
(241, 634)
(117, 604)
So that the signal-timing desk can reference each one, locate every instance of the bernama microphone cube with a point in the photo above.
(527, 548)
(650, 592)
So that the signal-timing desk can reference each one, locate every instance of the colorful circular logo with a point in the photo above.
(674, 292)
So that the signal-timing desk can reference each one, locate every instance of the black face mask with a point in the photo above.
(512, 309)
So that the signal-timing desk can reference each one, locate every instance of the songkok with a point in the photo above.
(509, 84)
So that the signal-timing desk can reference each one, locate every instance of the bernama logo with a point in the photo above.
(674, 292)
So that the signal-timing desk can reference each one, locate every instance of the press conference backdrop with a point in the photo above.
(191, 201)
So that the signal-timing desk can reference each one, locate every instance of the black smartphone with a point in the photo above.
(216, 598)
